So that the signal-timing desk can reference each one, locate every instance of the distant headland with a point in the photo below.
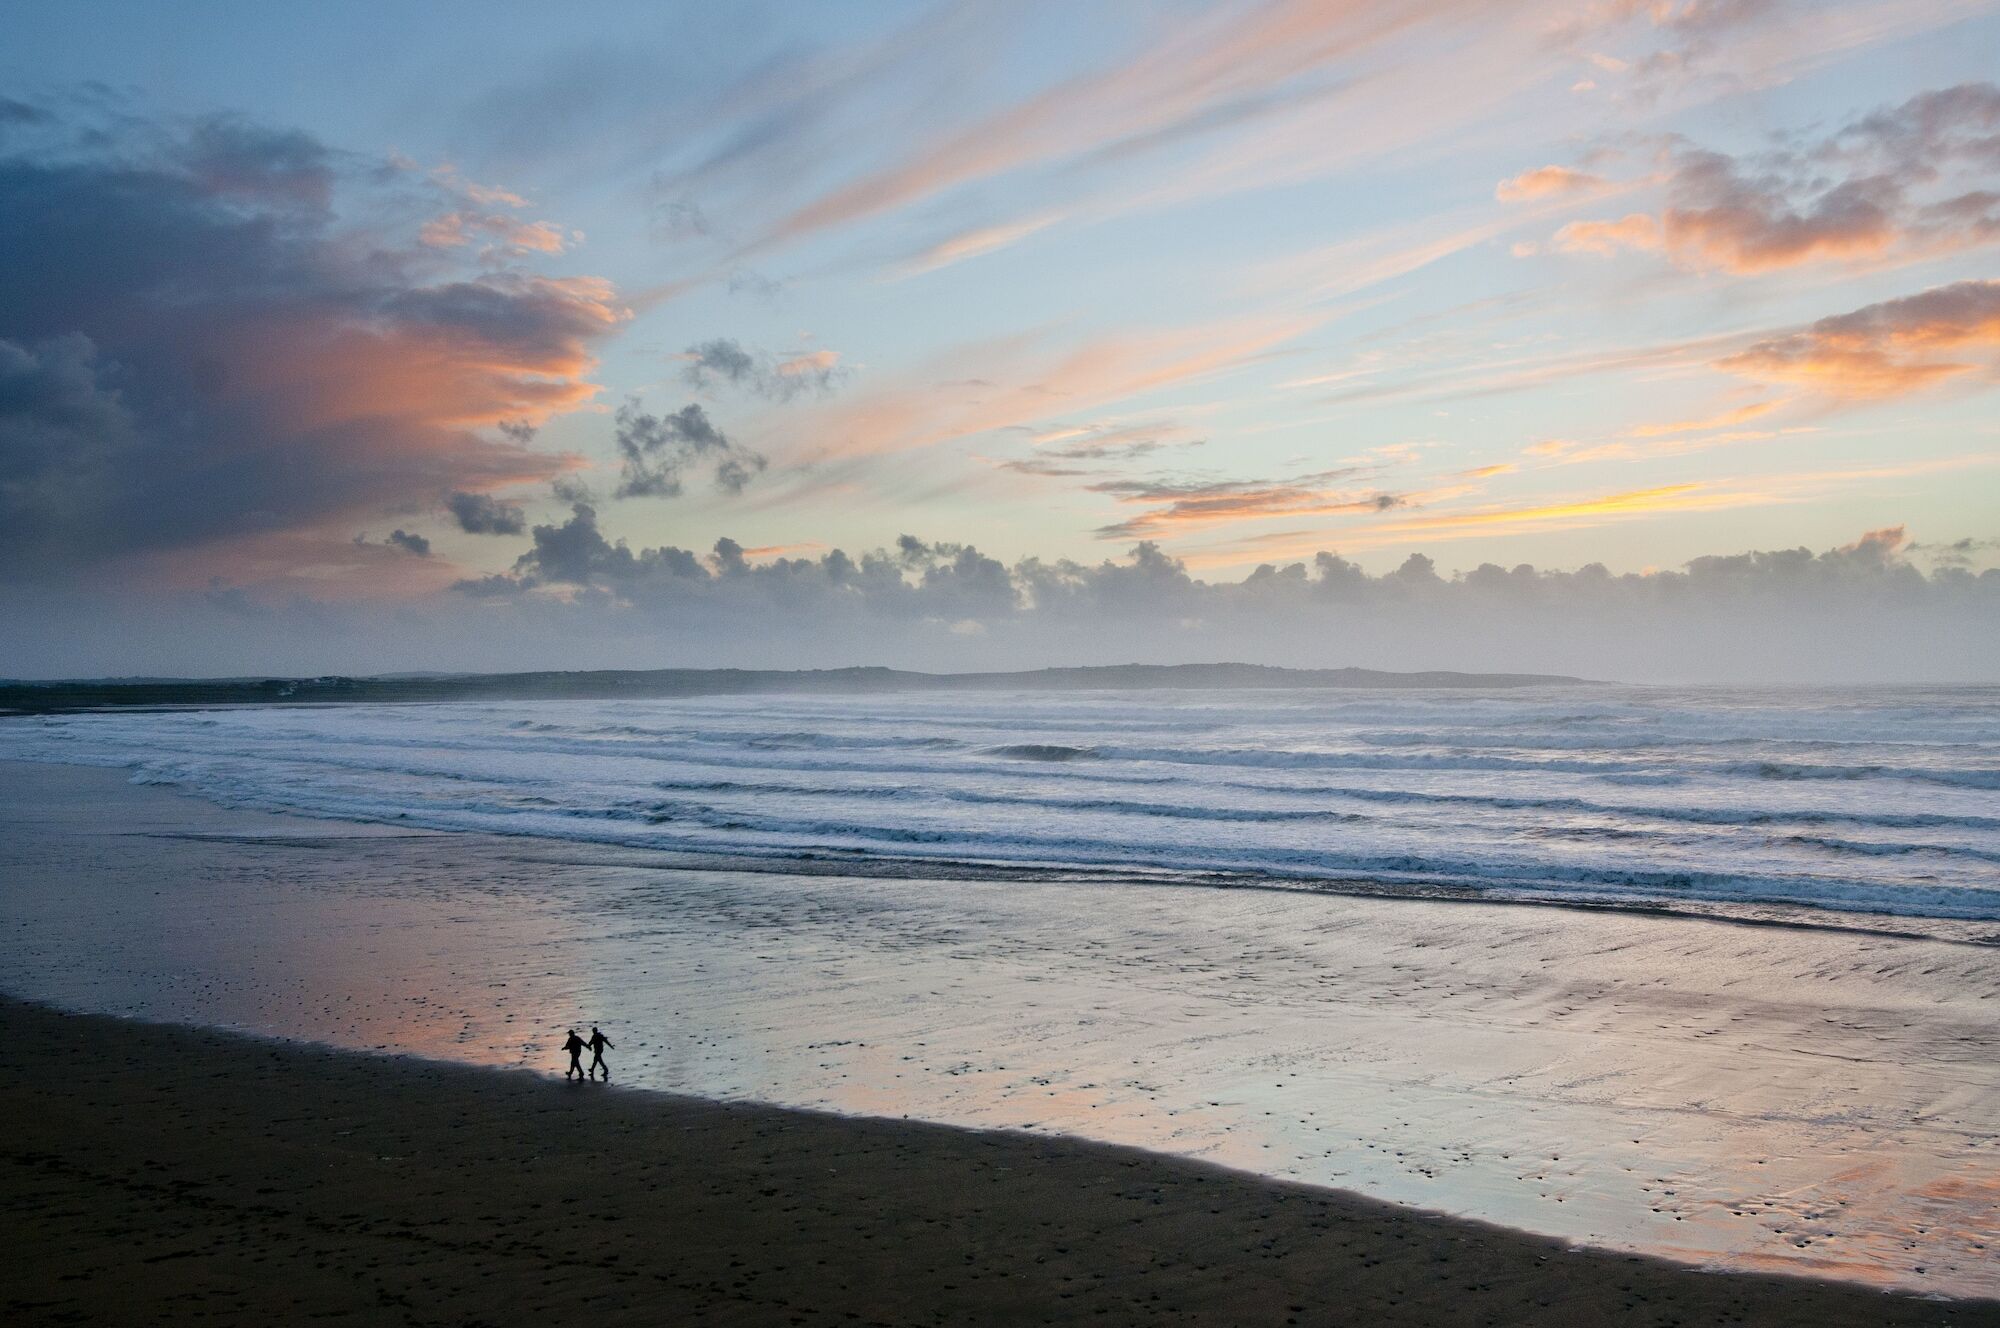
(19, 697)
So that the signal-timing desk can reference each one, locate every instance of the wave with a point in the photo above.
(1877, 849)
(1043, 751)
(1978, 778)
(1692, 814)
(946, 848)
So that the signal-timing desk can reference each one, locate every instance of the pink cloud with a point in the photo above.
(1543, 182)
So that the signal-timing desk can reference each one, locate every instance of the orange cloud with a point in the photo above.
(1727, 418)
(1745, 240)
(441, 364)
(1883, 350)
(1868, 193)
(1198, 507)
(812, 362)
(1544, 181)
(1634, 230)
(457, 229)
(1489, 521)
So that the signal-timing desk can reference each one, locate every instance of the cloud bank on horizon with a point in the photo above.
(1202, 333)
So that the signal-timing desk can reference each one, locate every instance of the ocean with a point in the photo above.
(1877, 804)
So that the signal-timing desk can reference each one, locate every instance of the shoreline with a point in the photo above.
(169, 1173)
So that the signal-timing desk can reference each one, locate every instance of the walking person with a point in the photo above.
(598, 1042)
(574, 1045)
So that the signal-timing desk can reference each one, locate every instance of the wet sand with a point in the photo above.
(157, 1174)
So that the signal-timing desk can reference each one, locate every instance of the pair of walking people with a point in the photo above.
(575, 1045)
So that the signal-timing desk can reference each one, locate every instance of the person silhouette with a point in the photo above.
(598, 1042)
(574, 1046)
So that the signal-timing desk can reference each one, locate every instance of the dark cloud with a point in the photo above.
(734, 473)
(199, 356)
(416, 545)
(774, 377)
(575, 553)
(656, 449)
(720, 358)
(65, 435)
(227, 156)
(1959, 553)
(14, 112)
(483, 514)
(572, 489)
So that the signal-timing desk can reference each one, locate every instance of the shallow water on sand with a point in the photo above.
(1822, 1101)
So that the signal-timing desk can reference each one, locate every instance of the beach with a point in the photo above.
(169, 1175)
(1731, 1096)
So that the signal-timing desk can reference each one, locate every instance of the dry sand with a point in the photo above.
(158, 1174)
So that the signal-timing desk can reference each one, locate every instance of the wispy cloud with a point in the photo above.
(974, 243)
(1200, 69)
(1024, 381)
(1179, 506)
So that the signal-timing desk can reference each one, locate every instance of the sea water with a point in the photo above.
(1871, 803)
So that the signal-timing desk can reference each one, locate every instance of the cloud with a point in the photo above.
(482, 514)
(1894, 184)
(1724, 420)
(1845, 612)
(66, 435)
(577, 598)
(1884, 350)
(1545, 182)
(656, 449)
(1236, 64)
(1958, 554)
(202, 362)
(508, 234)
(1635, 230)
(1018, 381)
(1184, 505)
(1688, 49)
(776, 378)
(974, 243)
(416, 545)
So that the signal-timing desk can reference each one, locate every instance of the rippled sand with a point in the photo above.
(1741, 1096)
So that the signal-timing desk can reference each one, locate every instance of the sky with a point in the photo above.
(1653, 339)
